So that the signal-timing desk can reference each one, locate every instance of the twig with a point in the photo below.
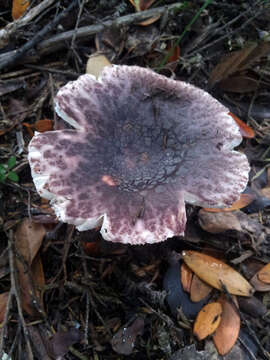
(228, 34)
(12, 27)
(18, 54)
(58, 42)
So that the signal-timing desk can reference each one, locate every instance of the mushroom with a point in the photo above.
(139, 146)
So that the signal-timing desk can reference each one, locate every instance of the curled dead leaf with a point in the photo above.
(217, 222)
(186, 277)
(227, 333)
(259, 285)
(199, 289)
(28, 239)
(216, 273)
(208, 320)
(264, 274)
(246, 132)
(245, 200)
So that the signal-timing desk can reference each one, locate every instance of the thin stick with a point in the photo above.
(18, 54)
(58, 42)
(12, 27)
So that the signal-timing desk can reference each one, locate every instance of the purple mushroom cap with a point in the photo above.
(141, 145)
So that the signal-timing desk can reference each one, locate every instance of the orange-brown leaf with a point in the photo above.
(43, 125)
(245, 200)
(18, 8)
(227, 333)
(186, 277)
(216, 273)
(264, 274)
(199, 289)
(246, 131)
(207, 320)
(149, 21)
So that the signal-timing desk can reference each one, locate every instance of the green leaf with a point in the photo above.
(3, 170)
(11, 162)
(2, 178)
(13, 176)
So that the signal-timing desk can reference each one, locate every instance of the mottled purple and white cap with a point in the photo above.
(141, 146)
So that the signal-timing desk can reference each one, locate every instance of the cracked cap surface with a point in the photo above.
(141, 146)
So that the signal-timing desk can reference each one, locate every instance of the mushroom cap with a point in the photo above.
(141, 145)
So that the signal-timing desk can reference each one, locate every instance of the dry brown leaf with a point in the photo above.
(258, 284)
(96, 63)
(199, 289)
(227, 333)
(186, 277)
(18, 8)
(264, 274)
(31, 283)
(245, 200)
(28, 239)
(217, 222)
(3, 305)
(246, 132)
(208, 320)
(216, 273)
(239, 84)
(238, 61)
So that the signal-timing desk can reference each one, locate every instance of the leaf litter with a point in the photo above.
(100, 292)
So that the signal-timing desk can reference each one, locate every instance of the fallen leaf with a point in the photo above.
(141, 5)
(216, 273)
(186, 277)
(252, 306)
(227, 333)
(96, 64)
(239, 84)
(61, 341)
(207, 320)
(3, 305)
(258, 284)
(217, 222)
(264, 274)
(199, 289)
(176, 296)
(19, 7)
(245, 130)
(32, 282)
(43, 125)
(237, 61)
(28, 239)
(123, 341)
(245, 200)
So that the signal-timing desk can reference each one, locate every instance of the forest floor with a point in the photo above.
(67, 294)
